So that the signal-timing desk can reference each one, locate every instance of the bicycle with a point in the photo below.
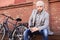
(16, 32)
(4, 27)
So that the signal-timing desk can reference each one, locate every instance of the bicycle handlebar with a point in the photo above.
(7, 16)
(17, 19)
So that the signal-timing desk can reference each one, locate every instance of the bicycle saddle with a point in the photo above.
(18, 19)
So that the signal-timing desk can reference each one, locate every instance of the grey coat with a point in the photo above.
(44, 20)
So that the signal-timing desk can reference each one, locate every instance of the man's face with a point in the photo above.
(40, 8)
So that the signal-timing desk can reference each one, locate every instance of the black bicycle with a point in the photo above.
(17, 33)
(4, 27)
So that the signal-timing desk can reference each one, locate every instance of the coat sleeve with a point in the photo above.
(46, 22)
(30, 19)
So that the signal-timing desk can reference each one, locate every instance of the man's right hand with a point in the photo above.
(33, 29)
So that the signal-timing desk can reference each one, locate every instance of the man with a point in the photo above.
(38, 22)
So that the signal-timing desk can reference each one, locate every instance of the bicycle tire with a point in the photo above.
(2, 32)
(18, 34)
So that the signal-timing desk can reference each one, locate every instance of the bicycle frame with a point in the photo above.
(5, 25)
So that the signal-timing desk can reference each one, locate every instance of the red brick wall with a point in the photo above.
(53, 0)
(12, 2)
(19, 1)
(6, 2)
(23, 12)
(55, 16)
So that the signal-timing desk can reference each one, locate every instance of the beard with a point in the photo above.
(39, 11)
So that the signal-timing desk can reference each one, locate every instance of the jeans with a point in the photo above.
(28, 33)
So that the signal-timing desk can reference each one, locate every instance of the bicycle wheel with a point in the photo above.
(2, 32)
(18, 33)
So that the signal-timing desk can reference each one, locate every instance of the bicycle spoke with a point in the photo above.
(18, 32)
(2, 33)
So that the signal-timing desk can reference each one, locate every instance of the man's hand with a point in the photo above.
(33, 29)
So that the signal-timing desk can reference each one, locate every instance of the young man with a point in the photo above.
(38, 22)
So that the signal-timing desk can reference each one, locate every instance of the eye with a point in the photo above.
(39, 6)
